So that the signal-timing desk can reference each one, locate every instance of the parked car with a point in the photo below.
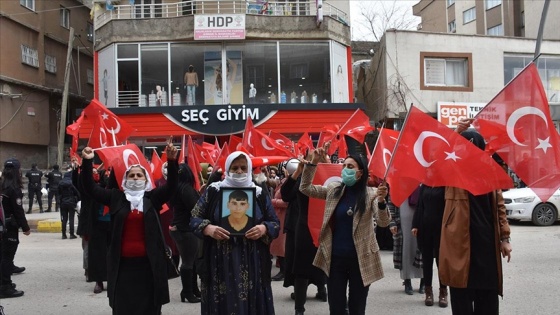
(522, 204)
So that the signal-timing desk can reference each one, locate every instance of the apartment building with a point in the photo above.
(287, 64)
(518, 18)
(35, 40)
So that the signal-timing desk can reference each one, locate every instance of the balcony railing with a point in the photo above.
(186, 8)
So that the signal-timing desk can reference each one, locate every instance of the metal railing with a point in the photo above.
(186, 8)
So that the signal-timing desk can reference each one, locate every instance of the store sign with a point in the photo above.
(218, 119)
(219, 26)
(450, 113)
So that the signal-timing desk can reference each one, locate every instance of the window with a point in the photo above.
(90, 76)
(469, 15)
(446, 71)
(451, 27)
(50, 64)
(64, 17)
(492, 3)
(497, 30)
(30, 4)
(29, 56)
(450, 2)
(299, 70)
(549, 71)
(90, 32)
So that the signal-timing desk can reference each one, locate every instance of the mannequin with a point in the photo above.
(191, 83)
(159, 95)
(252, 93)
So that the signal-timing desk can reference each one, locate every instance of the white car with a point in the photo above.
(522, 204)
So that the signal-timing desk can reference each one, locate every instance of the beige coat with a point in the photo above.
(362, 230)
(455, 246)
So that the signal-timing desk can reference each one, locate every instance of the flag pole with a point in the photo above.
(541, 29)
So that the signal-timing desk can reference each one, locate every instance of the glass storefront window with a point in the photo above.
(256, 64)
(154, 69)
(183, 56)
(549, 71)
(305, 71)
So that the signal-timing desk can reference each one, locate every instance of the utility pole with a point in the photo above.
(64, 105)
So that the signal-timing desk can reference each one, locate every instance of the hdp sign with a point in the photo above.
(219, 26)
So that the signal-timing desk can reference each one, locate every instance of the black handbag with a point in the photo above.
(172, 270)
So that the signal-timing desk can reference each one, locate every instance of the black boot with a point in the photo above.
(7, 291)
(408, 287)
(321, 293)
(300, 294)
(16, 269)
(280, 275)
(195, 289)
(28, 211)
(72, 235)
(422, 287)
(64, 235)
(186, 282)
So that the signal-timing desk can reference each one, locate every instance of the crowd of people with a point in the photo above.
(228, 233)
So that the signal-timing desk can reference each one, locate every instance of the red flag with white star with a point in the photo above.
(517, 124)
(121, 157)
(431, 153)
(117, 129)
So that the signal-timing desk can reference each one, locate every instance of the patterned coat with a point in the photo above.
(362, 229)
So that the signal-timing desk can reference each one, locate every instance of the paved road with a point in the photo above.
(54, 282)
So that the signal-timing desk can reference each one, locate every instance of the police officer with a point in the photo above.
(12, 195)
(34, 186)
(53, 179)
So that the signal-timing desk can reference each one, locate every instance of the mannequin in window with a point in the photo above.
(216, 84)
(191, 83)
(159, 95)
(252, 93)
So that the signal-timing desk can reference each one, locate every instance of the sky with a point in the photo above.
(359, 32)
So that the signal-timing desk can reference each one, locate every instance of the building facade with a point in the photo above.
(35, 40)
(278, 57)
(517, 18)
(466, 71)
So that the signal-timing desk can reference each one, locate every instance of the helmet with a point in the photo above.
(291, 165)
(12, 162)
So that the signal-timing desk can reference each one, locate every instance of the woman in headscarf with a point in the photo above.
(235, 271)
(136, 266)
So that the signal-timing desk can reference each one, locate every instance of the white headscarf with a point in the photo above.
(229, 182)
(136, 196)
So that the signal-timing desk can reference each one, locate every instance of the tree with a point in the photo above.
(378, 16)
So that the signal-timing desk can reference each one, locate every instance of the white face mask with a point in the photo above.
(135, 185)
(239, 178)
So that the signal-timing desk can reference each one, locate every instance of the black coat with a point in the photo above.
(300, 250)
(119, 209)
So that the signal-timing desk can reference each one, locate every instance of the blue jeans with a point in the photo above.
(191, 94)
(345, 272)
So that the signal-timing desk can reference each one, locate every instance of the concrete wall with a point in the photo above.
(257, 27)
(401, 50)
(533, 11)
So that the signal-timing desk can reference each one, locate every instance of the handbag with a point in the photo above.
(172, 270)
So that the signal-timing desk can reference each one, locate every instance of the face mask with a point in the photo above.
(238, 178)
(135, 185)
(349, 176)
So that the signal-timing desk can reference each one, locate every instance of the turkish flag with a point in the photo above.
(194, 164)
(121, 157)
(435, 155)
(326, 173)
(281, 140)
(119, 129)
(246, 142)
(517, 125)
(99, 136)
(156, 164)
(304, 144)
(221, 160)
(357, 126)
(234, 142)
(382, 152)
(203, 155)
(256, 143)
(74, 128)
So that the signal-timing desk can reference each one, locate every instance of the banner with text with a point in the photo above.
(219, 26)
(449, 113)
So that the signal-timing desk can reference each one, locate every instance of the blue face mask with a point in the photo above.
(349, 176)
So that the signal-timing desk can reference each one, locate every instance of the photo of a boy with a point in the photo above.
(238, 220)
